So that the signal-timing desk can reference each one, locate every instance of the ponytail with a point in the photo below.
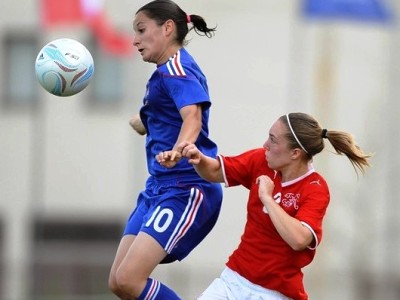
(344, 144)
(305, 132)
(200, 26)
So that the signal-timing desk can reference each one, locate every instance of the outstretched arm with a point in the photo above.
(207, 167)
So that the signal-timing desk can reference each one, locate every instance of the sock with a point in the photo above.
(155, 290)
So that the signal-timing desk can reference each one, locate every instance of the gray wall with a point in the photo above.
(70, 163)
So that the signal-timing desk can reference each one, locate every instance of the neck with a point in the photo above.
(292, 172)
(168, 53)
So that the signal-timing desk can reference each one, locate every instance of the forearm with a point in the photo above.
(295, 234)
(209, 168)
(189, 132)
(191, 124)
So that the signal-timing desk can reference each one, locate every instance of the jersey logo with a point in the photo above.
(291, 199)
(315, 182)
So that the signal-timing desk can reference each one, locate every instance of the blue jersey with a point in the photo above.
(177, 83)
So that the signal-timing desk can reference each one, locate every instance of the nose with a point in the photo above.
(135, 40)
(266, 145)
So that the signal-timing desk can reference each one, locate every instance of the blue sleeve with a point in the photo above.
(186, 90)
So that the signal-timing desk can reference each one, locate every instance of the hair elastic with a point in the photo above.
(297, 140)
(188, 19)
(324, 133)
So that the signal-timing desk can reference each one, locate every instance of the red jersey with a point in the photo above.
(262, 256)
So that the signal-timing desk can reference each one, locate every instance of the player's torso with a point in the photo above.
(162, 100)
(166, 92)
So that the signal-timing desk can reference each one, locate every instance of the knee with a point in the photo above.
(113, 285)
(127, 284)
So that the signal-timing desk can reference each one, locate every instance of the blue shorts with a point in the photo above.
(178, 213)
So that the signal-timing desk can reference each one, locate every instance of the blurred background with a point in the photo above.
(71, 168)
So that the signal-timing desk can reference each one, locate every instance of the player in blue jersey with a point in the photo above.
(177, 208)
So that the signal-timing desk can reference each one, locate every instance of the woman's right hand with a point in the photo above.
(190, 151)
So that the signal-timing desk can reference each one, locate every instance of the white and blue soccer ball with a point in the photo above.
(64, 67)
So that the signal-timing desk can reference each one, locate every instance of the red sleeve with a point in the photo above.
(313, 208)
(241, 169)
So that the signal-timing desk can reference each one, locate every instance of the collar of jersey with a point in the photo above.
(310, 171)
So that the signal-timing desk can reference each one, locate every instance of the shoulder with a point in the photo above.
(242, 169)
(315, 179)
(179, 65)
(252, 160)
(315, 184)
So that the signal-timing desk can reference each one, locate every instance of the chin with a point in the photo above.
(149, 60)
(145, 58)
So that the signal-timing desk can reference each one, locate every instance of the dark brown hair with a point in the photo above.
(164, 10)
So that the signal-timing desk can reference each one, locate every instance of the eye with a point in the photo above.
(139, 30)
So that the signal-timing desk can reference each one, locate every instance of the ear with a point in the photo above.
(169, 27)
(296, 153)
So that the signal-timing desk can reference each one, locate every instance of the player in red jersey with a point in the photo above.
(286, 206)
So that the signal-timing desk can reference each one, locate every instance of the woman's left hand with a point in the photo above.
(169, 158)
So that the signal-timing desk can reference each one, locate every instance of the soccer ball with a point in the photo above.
(64, 67)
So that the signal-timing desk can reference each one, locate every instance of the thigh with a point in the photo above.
(122, 250)
(141, 258)
(132, 239)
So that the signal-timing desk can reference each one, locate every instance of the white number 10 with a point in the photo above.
(158, 216)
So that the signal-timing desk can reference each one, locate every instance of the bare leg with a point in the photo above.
(123, 248)
(136, 259)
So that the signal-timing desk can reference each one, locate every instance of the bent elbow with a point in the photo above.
(300, 244)
(298, 247)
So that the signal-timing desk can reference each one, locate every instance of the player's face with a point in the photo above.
(278, 153)
(150, 39)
